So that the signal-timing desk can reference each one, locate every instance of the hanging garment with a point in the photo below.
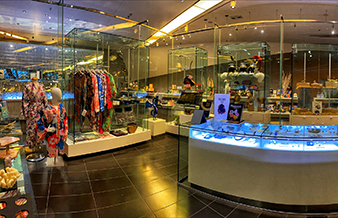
(34, 99)
(54, 116)
(101, 97)
(109, 112)
(80, 93)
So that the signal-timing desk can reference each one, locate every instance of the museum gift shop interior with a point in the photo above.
(80, 80)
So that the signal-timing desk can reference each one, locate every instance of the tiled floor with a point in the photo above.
(138, 181)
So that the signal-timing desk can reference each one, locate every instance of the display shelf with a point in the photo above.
(97, 145)
(288, 100)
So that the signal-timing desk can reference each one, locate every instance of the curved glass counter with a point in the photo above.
(264, 136)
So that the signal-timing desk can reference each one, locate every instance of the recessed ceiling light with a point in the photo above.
(255, 27)
(49, 17)
(230, 34)
(11, 45)
(332, 32)
(46, 21)
(262, 31)
(70, 19)
(46, 49)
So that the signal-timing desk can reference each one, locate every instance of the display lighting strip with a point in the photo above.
(13, 36)
(192, 12)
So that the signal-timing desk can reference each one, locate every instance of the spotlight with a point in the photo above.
(262, 31)
(11, 45)
(332, 32)
(255, 27)
(230, 34)
(233, 4)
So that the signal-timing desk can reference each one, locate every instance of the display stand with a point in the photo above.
(93, 146)
(35, 157)
(157, 127)
(6, 142)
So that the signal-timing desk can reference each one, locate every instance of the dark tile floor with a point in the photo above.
(138, 181)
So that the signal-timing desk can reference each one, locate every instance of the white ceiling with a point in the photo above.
(31, 18)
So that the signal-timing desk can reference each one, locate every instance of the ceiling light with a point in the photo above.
(255, 27)
(262, 31)
(24, 49)
(233, 4)
(46, 21)
(332, 32)
(11, 45)
(49, 17)
(230, 34)
(183, 37)
(46, 49)
(192, 12)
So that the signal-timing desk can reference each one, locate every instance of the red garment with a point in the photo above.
(109, 97)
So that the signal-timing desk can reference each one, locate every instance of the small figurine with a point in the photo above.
(188, 81)
(156, 103)
(250, 103)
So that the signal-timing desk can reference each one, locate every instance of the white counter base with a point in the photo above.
(281, 177)
(98, 145)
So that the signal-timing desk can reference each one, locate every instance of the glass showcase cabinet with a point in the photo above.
(120, 122)
(314, 83)
(188, 82)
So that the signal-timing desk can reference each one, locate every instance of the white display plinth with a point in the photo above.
(170, 127)
(157, 126)
(185, 118)
(98, 145)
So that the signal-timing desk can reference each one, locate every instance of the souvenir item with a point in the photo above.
(261, 101)
(314, 84)
(33, 101)
(303, 84)
(188, 81)
(155, 104)
(120, 116)
(235, 113)
(132, 127)
(8, 178)
(250, 104)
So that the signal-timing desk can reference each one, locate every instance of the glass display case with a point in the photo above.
(187, 61)
(244, 72)
(314, 82)
(183, 62)
(264, 136)
(124, 61)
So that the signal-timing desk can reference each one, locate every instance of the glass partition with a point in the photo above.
(125, 61)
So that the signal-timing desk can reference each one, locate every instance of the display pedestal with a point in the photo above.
(170, 127)
(55, 162)
(157, 126)
(98, 145)
(256, 117)
(185, 118)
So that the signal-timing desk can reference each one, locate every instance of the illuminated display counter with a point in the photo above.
(277, 165)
